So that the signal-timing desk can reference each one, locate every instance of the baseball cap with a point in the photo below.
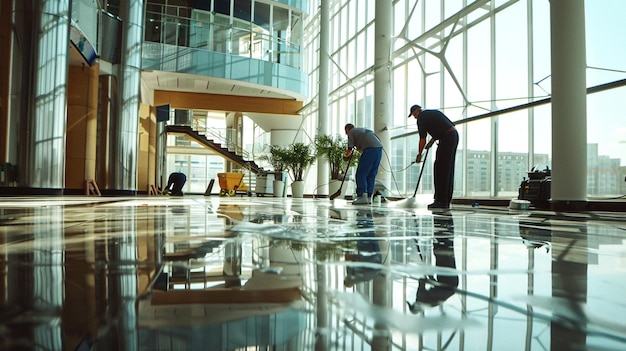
(413, 108)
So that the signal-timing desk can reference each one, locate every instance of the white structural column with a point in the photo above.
(284, 137)
(38, 92)
(569, 103)
(323, 175)
(124, 129)
(382, 118)
(382, 83)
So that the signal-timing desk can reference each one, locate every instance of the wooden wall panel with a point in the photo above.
(199, 101)
(81, 130)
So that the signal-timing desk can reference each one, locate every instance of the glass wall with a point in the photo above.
(467, 59)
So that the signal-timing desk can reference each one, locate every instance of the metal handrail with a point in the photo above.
(591, 90)
(217, 137)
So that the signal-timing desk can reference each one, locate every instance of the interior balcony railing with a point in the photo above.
(215, 32)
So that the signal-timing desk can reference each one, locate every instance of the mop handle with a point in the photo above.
(421, 171)
(338, 192)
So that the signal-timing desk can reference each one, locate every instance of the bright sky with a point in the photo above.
(606, 62)
(606, 49)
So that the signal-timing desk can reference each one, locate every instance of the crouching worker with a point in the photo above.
(175, 184)
(371, 149)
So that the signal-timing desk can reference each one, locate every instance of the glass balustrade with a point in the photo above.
(210, 31)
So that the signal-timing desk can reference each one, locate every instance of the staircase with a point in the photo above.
(217, 147)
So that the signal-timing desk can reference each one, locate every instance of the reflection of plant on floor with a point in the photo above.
(332, 148)
(323, 250)
(329, 251)
(295, 245)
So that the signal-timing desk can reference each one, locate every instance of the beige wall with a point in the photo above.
(232, 103)
(147, 148)
(81, 129)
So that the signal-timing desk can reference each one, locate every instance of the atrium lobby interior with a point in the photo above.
(102, 100)
(264, 273)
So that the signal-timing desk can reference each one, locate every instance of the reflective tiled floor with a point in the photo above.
(262, 273)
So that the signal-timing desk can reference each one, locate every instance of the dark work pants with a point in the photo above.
(444, 167)
(444, 285)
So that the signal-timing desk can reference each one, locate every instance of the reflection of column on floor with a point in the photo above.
(322, 339)
(570, 279)
(492, 309)
(232, 264)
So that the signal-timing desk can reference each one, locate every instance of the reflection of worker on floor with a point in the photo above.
(443, 285)
(368, 250)
(175, 184)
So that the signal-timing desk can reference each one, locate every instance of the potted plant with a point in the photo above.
(332, 148)
(276, 158)
(298, 157)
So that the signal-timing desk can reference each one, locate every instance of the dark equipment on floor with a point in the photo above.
(537, 186)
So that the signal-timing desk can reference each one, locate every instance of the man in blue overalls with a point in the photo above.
(371, 149)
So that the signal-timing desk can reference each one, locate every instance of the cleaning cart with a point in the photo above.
(231, 183)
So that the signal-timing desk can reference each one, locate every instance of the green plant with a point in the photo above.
(298, 157)
(276, 158)
(332, 149)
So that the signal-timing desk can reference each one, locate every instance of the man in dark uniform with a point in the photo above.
(371, 149)
(440, 128)
(175, 184)
(444, 284)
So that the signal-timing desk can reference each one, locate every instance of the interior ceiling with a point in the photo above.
(172, 81)
(266, 121)
(269, 122)
(183, 82)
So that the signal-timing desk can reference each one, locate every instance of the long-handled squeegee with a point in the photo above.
(338, 192)
(410, 202)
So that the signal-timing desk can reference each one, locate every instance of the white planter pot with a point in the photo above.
(333, 186)
(279, 188)
(284, 254)
(297, 189)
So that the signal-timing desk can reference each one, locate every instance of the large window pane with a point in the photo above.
(479, 62)
(511, 77)
(479, 158)
(512, 160)
(542, 137)
(606, 140)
